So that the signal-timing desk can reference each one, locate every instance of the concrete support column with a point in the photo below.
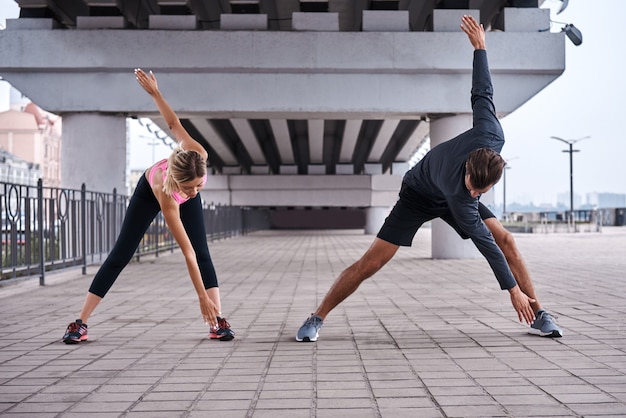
(446, 243)
(93, 152)
(383, 195)
(374, 219)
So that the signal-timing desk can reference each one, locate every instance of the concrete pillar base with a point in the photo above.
(446, 243)
(374, 219)
(94, 152)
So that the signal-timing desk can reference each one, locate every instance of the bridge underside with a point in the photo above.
(280, 86)
(300, 103)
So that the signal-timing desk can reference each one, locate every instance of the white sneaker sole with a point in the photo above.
(307, 339)
(552, 334)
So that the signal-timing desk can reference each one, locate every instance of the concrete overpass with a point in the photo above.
(299, 103)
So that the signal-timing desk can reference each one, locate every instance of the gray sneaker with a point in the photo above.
(309, 331)
(544, 326)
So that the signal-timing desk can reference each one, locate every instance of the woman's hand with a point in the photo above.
(209, 311)
(148, 82)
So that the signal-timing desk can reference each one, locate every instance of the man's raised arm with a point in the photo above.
(474, 31)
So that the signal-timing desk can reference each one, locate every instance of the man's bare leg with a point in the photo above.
(379, 253)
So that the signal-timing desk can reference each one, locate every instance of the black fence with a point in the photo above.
(46, 229)
(603, 217)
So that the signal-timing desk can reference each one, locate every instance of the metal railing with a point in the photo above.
(581, 220)
(47, 228)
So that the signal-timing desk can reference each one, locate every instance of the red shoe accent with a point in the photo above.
(222, 332)
(75, 333)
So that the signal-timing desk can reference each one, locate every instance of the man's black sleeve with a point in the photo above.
(485, 118)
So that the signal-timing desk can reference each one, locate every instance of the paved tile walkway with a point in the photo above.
(422, 338)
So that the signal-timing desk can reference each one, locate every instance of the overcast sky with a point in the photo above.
(587, 100)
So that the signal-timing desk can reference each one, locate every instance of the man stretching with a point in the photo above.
(447, 184)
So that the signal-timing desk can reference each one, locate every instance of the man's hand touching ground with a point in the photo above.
(521, 303)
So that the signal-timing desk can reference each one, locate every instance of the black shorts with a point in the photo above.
(410, 213)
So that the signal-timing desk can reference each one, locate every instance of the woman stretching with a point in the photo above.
(170, 186)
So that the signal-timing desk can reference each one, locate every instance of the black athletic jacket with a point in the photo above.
(439, 178)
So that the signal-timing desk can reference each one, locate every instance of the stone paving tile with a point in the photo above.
(410, 413)
(402, 392)
(540, 411)
(23, 414)
(422, 338)
(282, 413)
(474, 411)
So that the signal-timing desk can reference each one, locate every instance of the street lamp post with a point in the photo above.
(504, 191)
(506, 167)
(571, 151)
(152, 144)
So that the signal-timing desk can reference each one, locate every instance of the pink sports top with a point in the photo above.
(163, 166)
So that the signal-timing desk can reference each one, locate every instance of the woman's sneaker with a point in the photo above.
(75, 332)
(545, 326)
(222, 332)
(309, 331)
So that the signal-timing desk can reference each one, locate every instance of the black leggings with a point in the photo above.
(142, 209)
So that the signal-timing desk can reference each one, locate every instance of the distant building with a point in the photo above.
(15, 170)
(563, 199)
(606, 200)
(134, 177)
(33, 135)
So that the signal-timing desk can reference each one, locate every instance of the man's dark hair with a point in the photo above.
(485, 167)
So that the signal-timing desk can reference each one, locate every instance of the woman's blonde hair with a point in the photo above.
(183, 166)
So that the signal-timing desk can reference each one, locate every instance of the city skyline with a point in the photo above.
(584, 101)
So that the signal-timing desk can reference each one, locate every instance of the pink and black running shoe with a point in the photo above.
(75, 333)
